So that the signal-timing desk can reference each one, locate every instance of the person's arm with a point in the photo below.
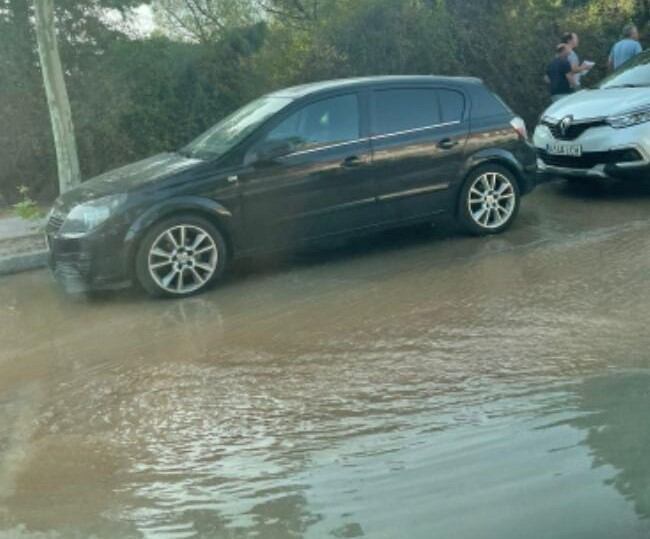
(579, 68)
(571, 77)
(568, 72)
(576, 67)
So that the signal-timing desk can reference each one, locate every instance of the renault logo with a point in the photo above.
(565, 124)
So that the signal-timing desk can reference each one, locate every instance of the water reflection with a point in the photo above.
(617, 428)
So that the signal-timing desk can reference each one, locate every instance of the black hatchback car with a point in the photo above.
(298, 165)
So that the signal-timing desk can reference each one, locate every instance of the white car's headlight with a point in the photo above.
(85, 217)
(630, 119)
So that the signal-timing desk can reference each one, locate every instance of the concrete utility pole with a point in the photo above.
(57, 96)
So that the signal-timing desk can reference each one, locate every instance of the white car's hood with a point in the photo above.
(589, 104)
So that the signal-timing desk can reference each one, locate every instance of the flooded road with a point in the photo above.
(417, 384)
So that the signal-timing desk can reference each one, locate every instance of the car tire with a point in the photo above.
(489, 200)
(180, 256)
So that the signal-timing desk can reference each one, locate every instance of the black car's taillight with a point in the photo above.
(519, 126)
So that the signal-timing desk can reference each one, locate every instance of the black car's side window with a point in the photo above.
(325, 122)
(394, 111)
(452, 105)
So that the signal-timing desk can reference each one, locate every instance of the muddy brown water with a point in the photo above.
(416, 384)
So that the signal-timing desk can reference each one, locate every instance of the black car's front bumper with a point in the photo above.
(93, 262)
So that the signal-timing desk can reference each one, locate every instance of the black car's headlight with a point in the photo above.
(85, 217)
(630, 119)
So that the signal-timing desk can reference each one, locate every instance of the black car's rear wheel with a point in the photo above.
(180, 256)
(489, 200)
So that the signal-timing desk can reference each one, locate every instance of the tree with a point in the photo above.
(203, 20)
(133, 96)
(297, 12)
(57, 96)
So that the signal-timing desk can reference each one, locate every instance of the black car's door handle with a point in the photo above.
(352, 162)
(447, 144)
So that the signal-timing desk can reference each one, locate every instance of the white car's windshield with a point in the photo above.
(633, 74)
(234, 128)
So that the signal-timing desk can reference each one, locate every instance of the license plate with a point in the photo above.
(570, 150)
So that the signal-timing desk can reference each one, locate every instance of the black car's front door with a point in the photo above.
(418, 140)
(321, 183)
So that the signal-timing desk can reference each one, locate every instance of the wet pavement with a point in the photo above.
(416, 384)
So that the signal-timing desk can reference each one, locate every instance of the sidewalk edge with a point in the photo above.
(23, 262)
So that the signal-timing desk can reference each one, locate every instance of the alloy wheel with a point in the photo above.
(183, 259)
(491, 200)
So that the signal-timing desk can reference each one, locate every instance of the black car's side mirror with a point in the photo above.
(271, 150)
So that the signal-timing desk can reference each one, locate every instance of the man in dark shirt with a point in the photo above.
(560, 74)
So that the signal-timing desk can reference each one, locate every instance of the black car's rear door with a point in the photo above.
(418, 139)
(321, 186)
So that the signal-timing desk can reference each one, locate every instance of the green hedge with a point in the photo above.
(133, 98)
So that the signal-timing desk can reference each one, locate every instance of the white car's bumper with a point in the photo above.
(606, 152)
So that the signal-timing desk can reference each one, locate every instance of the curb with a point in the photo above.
(23, 262)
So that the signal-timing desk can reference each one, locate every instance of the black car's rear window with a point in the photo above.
(452, 105)
(399, 110)
(486, 104)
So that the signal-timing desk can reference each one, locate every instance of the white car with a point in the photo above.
(602, 132)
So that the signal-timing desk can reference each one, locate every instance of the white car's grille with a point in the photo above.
(573, 131)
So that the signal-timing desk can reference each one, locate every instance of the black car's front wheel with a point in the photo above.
(489, 200)
(180, 256)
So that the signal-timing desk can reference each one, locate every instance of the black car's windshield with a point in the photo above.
(234, 128)
(633, 74)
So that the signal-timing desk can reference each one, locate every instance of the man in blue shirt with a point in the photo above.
(559, 74)
(626, 48)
